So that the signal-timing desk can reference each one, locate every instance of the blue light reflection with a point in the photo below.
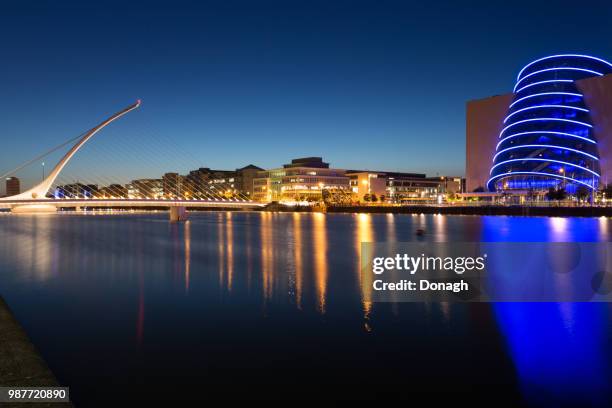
(560, 350)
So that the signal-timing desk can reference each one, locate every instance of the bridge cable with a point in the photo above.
(42, 156)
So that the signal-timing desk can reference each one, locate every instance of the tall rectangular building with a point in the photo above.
(13, 186)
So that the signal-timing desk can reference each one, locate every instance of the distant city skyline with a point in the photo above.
(367, 85)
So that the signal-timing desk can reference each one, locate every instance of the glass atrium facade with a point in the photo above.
(547, 138)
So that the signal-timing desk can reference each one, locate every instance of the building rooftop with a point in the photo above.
(316, 162)
(391, 174)
(249, 167)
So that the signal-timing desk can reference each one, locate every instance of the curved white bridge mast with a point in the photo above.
(39, 191)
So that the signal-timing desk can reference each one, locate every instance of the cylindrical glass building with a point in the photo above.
(547, 138)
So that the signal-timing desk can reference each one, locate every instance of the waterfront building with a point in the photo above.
(172, 184)
(245, 177)
(311, 179)
(112, 191)
(368, 186)
(145, 188)
(205, 182)
(449, 184)
(553, 130)
(399, 187)
(76, 190)
(304, 179)
(13, 186)
(307, 179)
(195, 181)
(407, 188)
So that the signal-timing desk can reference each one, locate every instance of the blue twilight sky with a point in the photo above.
(366, 84)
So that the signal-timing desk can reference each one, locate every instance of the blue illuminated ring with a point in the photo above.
(518, 77)
(545, 106)
(546, 132)
(544, 119)
(544, 82)
(537, 173)
(543, 160)
(543, 145)
(556, 69)
(544, 93)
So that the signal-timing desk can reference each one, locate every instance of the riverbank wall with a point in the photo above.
(22, 365)
(479, 210)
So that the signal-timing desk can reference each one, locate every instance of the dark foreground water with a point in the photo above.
(267, 305)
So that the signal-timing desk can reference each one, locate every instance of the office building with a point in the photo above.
(302, 180)
(76, 190)
(310, 179)
(145, 188)
(207, 183)
(399, 187)
(172, 185)
(112, 191)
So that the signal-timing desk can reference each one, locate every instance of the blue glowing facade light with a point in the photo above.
(540, 83)
(547, 139)
(544, 146)
(543, 133)
(546, 160)
(501, 134)
(590, 71)
(537, 95)
(544, 107)
(564, 58)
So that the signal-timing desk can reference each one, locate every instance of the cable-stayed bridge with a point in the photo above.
(38, 199)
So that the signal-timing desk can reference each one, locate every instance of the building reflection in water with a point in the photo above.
(229, 245)
(320, 258)
(267, 254)
(364, 233)
(558, 229)
(391, 233)
(440, 234)
(32, 243)
(225, 249)
(249, 253)
(221, 247)
(558, 356)
(603, 227)
(187, 255)
(297, 259)
(558, 349)
(391, 238)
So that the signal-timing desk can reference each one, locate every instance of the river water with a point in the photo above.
(268, 305)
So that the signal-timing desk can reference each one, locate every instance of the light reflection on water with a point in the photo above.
(252, 292)
(561, 351)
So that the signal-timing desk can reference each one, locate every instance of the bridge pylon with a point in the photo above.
(39, 191)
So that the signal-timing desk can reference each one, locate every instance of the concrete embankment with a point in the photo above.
(20, 364)
(480, 210)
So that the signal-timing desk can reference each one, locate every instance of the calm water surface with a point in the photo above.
(269, 305)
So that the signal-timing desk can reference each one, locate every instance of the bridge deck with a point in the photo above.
(118, 203)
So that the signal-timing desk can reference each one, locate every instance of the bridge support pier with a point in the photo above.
(178, 213)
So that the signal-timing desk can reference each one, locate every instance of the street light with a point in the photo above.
(562, 171)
